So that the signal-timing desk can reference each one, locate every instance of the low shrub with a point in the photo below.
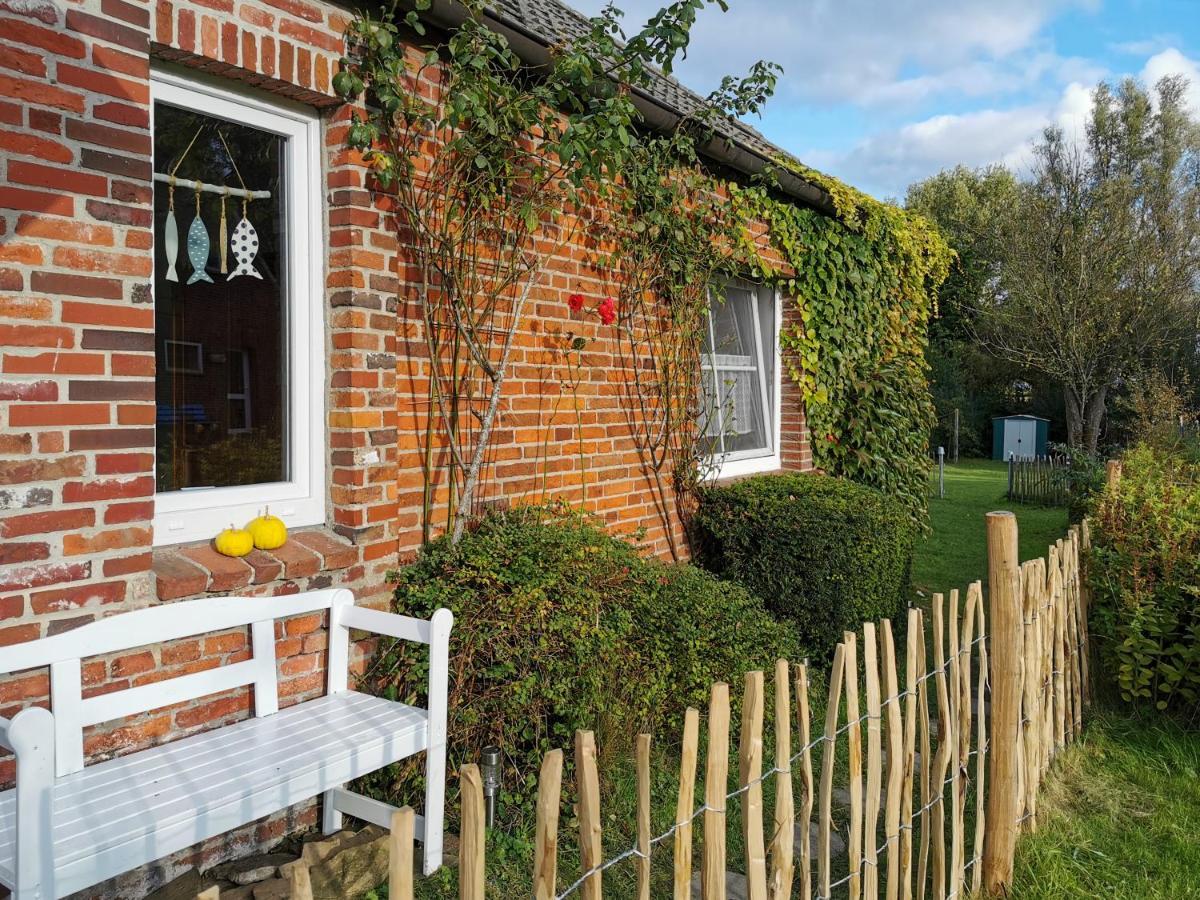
(1144, 573)
(825, 553)
(560, 626)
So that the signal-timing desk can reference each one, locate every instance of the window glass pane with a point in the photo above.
(221, 340)
(733, 390)
(742, 412)
(733, 328)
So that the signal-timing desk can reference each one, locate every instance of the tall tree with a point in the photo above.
(967, 206)
(1100, 258)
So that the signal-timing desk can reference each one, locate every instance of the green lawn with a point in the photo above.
(1119, 816)
(955, 553)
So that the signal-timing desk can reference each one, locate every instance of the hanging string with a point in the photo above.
(232, 161)
(175, 168)
(237, 172)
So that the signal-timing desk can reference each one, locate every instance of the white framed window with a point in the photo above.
(741, 368)
(247, 308)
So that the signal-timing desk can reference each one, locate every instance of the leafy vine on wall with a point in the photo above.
(865, 284)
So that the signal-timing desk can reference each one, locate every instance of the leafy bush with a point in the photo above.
(560, 626)
(1083, 478)
(823, 552)
(1144, 573)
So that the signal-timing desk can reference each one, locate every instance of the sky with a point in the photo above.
(882, 93)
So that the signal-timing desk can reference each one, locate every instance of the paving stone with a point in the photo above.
(185, 887)
(357, 868)
(837, 844)
(735, 886)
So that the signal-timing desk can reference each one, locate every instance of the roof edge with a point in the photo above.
(534, 50)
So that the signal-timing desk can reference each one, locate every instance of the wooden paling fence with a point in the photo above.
(942, 750)
(1043, 480)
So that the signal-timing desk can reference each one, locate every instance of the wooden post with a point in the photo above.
(896, 760)
(926, 762)
(806, 775)
(825, 825)
(941, 762)
(587, 779)
(981, 744)
(1031, 722)
(854, 759)
(545, 848)
(400, 856)
(472, 842)
(958, 876)
(955, 742)
(684, 807)
(910, 754)
(716, 778)
(1005, 614)
(1113, 473)
(750, 754)
(643, 816)
(874, 761)
(784, 825)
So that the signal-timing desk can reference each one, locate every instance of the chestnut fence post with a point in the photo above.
(1007, 637)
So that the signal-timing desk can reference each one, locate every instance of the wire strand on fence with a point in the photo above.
(776, 770)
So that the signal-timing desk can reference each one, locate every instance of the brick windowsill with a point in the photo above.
(191, 569)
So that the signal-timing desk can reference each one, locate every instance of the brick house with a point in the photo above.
(142, 413)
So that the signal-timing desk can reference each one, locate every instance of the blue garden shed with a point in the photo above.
(1023, 437)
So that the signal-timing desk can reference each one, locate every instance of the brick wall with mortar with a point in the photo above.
(77, 368)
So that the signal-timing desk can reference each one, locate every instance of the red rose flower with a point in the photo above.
(575, 301)
(608, 311)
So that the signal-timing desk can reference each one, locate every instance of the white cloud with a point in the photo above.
(871, 52)
(1172, 62)
(887, 161)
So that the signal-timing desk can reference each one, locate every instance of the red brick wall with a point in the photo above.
(77, 363)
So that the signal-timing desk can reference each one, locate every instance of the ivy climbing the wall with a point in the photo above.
(866, 285)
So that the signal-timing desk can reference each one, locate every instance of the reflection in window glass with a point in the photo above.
(738, 362)
(221, 389)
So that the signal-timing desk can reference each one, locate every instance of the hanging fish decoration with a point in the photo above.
(245, 248)
(171, 235)
(198, 247)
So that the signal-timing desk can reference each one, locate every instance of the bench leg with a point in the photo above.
(331, 818)
(435, 803)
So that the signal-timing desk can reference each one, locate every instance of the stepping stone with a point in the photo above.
(735, 886)
(837, 844)
(185, 887)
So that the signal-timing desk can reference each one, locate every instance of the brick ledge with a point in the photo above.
(190, 569)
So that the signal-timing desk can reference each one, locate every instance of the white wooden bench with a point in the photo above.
(65, 827)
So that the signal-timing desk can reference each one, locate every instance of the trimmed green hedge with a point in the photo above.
(825, 553)
(559, 626)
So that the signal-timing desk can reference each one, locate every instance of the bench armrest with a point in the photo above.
(404, 628)
(30, 735)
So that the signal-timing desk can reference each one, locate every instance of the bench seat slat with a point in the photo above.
(245, 757)
(222, 749)
(116, 814)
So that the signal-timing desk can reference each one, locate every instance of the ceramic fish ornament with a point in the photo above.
(245, 248)
(198, 247)
(171, 236)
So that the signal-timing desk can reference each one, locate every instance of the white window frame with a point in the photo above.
(199, 513)
(737, 463)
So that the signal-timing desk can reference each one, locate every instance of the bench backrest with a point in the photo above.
(64, 654)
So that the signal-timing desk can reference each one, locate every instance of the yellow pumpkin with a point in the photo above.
(233, 542)
(267, 531)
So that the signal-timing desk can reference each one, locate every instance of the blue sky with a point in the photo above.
(882, 93)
